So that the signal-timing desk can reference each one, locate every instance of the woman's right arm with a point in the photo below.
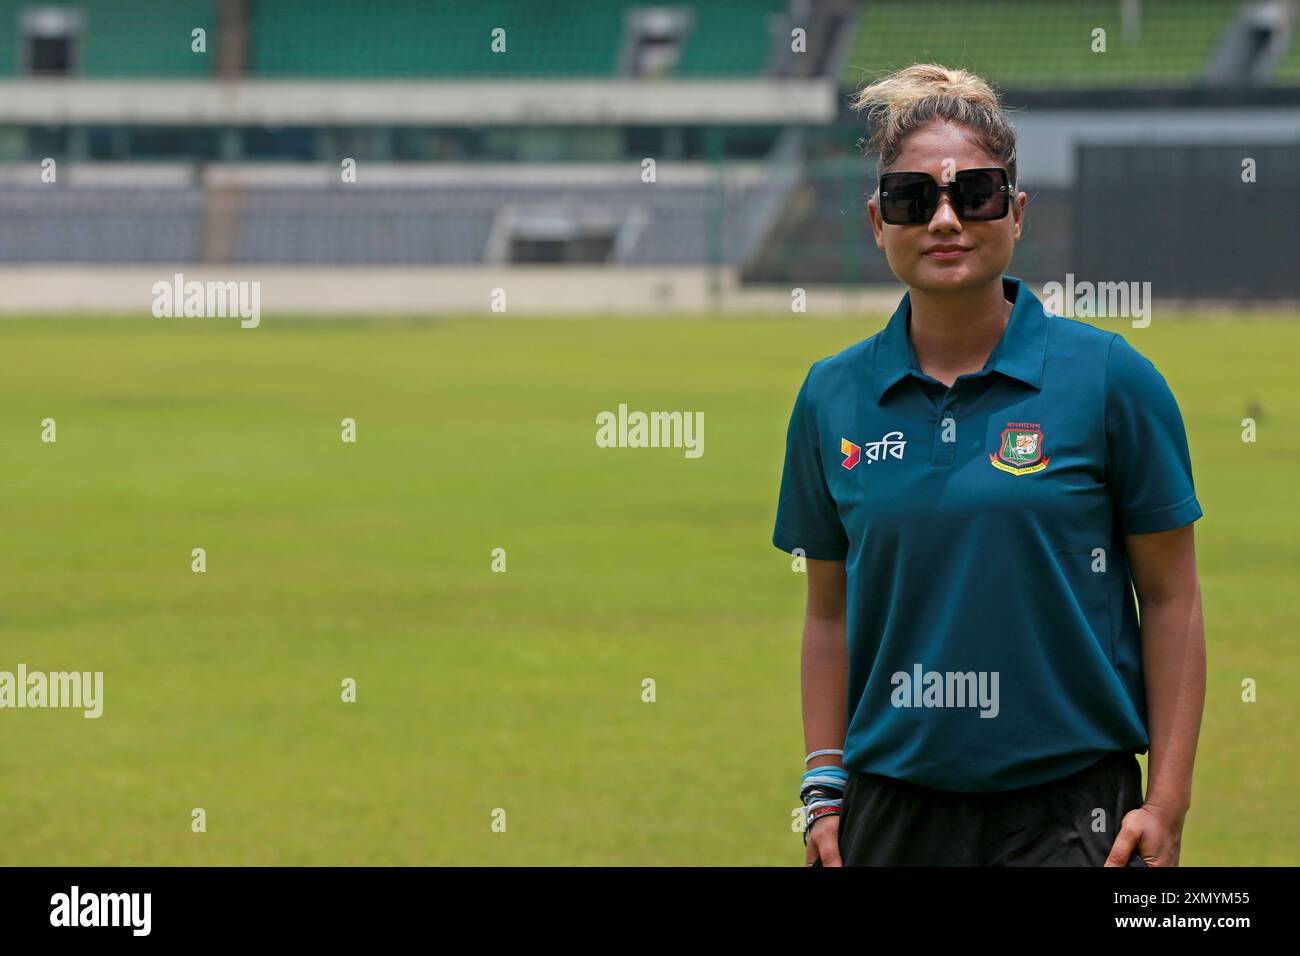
(825, 671)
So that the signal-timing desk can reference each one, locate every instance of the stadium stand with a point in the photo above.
(462, 225)
(562, 38)
(105, 38)
(537, 154)
(101, 225)
(1042, 44)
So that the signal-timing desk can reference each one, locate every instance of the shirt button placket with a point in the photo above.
(945, 451)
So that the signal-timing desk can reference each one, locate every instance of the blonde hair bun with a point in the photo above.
(906, 100)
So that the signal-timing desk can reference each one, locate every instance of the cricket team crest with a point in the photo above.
(1021, 449)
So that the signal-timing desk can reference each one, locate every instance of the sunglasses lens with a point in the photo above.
(907, 198)
(980, 194)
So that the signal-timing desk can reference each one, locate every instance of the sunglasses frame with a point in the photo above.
(1007, 189)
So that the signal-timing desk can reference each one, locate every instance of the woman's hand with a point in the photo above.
(1149, 831)
(824, 841)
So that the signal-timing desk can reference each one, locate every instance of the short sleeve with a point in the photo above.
(806, 513)
(1149, 468)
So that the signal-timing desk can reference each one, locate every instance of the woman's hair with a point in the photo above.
(902, 102)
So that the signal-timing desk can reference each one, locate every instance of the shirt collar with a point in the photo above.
(1019, 354)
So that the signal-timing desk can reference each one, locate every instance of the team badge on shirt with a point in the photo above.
(1021, 449)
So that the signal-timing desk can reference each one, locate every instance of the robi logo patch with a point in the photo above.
(1021, 449)
(891, 444)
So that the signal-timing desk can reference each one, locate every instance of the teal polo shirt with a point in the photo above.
(992, 630)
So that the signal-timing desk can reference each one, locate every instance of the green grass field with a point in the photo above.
(519, 690)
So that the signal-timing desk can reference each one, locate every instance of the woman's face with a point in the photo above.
(986, 247)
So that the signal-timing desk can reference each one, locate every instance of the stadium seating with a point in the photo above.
(122, 38)
(1041, 44)
(101, 225)
(398, 38)
(803, 219)
(562, 38)
(440, 225)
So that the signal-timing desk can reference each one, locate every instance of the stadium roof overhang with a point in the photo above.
(537, 102)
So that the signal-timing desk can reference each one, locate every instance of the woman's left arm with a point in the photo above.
(1163, 565)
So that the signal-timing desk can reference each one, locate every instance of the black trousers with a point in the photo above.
(1068, 822)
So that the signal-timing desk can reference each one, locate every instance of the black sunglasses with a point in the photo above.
(910, 199)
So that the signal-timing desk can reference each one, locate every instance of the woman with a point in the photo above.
(978, 489)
